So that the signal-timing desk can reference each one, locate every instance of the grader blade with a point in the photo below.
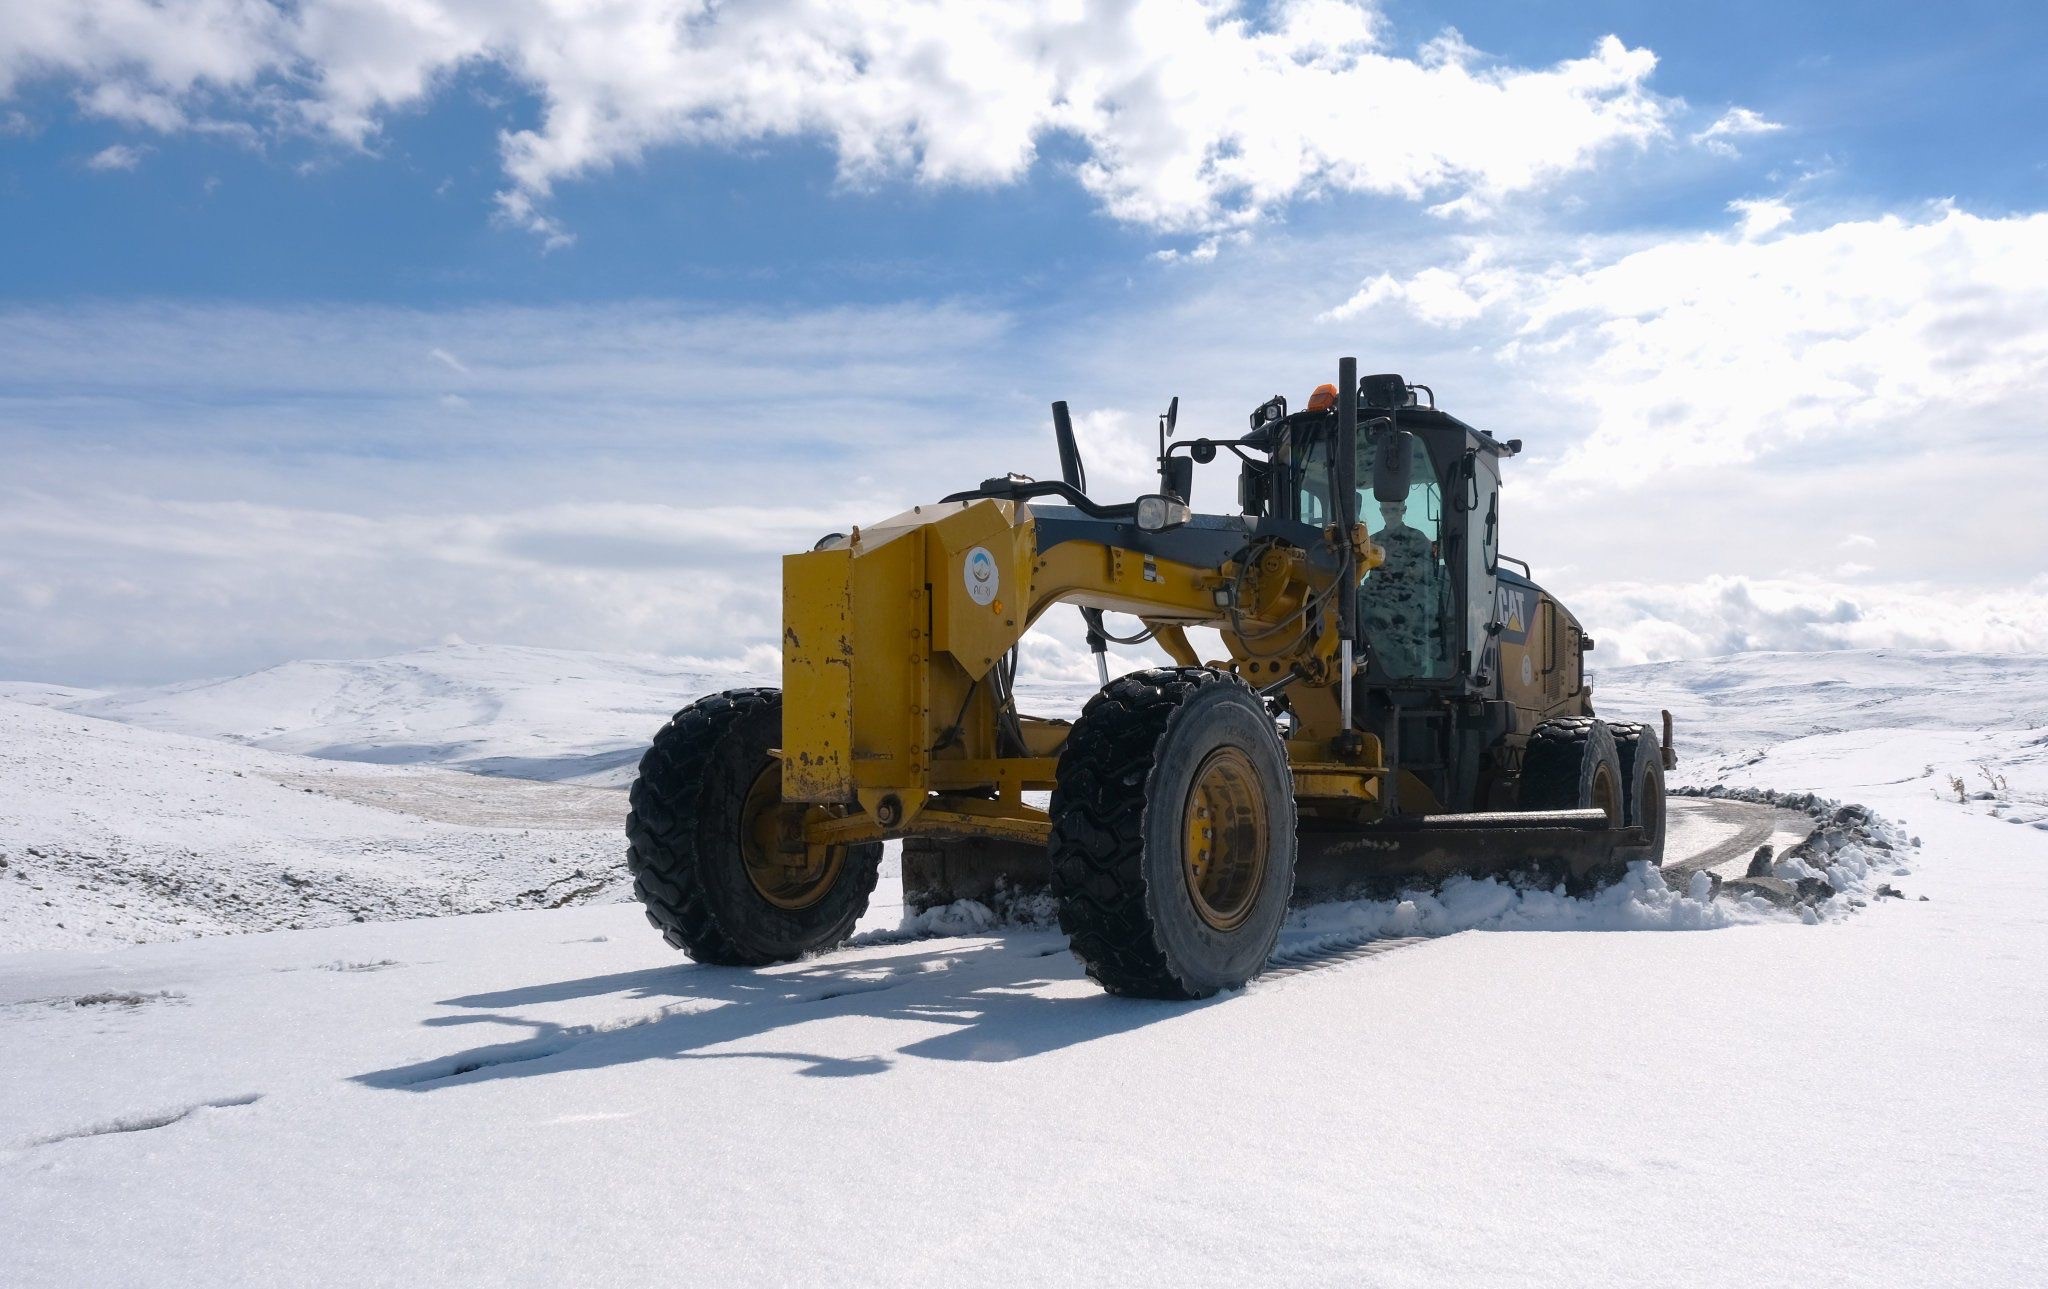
(1576, 847)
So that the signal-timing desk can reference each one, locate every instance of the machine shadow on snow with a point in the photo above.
(984, 992)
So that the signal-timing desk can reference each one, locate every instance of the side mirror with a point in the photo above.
(1156, 513)
(1393, 457)
(1177, 477)
(1251, 487)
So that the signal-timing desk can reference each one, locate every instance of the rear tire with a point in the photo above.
(1173, 841)
(696, 834)
(1642, 782)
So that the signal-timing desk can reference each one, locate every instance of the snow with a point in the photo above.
(110, 834)
(530, 713)
(42, 695)
(1473, 1084)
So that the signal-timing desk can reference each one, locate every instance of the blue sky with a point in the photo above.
(325, 335)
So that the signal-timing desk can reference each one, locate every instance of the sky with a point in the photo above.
(354, 326)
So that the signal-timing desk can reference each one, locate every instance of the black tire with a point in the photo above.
(1126, 787)
(1642, 782)
(684, 841)
(1571, 764)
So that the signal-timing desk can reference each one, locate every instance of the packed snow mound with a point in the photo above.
(546, 714)
(110, 834)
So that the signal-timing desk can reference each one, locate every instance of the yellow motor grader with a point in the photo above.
(1396, 704)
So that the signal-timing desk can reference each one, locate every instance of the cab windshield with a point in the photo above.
(1403, 605)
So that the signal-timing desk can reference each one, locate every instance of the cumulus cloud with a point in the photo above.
(1723, 347)
(1193, 116)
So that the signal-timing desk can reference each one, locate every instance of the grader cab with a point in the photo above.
(1395, 704)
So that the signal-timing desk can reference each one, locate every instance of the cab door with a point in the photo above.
(1476, 494)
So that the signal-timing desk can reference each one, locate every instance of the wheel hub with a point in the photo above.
(1607, 796)
(784, 870)
(1223, 845)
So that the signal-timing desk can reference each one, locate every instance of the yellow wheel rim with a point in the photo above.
(1607, 795)
(784, 871)
(1223, 845)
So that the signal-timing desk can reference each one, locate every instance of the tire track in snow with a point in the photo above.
(146, 1122)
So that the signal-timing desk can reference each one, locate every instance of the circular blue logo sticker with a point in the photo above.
(981, 575)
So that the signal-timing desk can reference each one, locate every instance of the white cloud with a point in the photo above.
(1761, 216)
(1866, 336)
(1735, 123)
(116, 156)
(1721, 615)
(1194, 116)
(1444, 297)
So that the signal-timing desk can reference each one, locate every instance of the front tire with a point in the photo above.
(708, 842)
(1571, 764)
(1173, 841)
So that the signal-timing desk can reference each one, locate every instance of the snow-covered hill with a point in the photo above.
(525, 713)
(585, 717)
(1730, 710)
(139, 830)
(112, 834)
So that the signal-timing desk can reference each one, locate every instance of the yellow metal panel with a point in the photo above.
(1026, 773)
(1099, 577)
(972, 818)
(1318, 777)
(1338, 781)
(890, 628)
(980, 568)
(817, 677)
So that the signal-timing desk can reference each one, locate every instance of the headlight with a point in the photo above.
(1156, 512)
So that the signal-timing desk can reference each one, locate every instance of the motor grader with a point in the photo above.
(1395, 703)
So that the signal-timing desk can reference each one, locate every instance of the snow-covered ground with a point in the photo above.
(553, 1096)
(112, 834)
(529, 713)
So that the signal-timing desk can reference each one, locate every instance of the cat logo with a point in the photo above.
(1514, 614)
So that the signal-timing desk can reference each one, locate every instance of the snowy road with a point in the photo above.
(1722, 836)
